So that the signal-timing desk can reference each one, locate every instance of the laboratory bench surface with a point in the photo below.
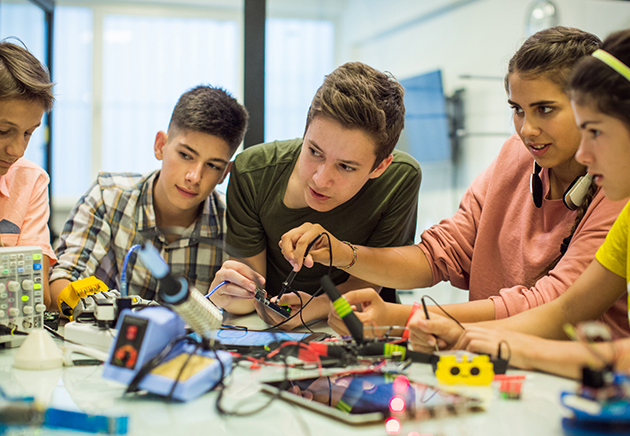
(538, 412)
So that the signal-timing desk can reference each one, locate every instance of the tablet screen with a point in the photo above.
(251, 338)
(377, 393)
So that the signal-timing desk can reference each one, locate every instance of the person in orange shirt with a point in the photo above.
(25, 94)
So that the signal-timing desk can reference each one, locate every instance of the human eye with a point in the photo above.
(314, 152)
(545, 110)
(347, 168)
(517, 109)
(594, 133)
(215, 166)
(184, 156)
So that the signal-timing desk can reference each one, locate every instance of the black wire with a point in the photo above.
(329, 392)
(154, 362)
(302, 313)
(181, 370)
(6, 330)
(222, 411)
(316, 293)
(234, 327)
(503, 341)
(442, 309)
(55, 333)
(422, 400)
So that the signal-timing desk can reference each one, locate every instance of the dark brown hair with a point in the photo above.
(359, 97)
(211, 110)
(594, 82)
(552, 54)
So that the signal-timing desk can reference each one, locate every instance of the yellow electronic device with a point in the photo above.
(470, 369)
(75, 291)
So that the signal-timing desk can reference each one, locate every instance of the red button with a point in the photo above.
(132, 332)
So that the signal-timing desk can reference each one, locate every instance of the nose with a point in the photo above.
(529, 129)
(193, 175)
(17, 147)
(584, 153)
(323, 176)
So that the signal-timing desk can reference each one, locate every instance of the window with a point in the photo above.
(116, 90)
(148, 62)
(72, 120)
(27, 22)
(299, 54)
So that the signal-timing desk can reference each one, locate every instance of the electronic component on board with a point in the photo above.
(261, 297)
(601, 405)
(465, 368)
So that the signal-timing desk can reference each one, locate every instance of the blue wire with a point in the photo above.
(224, 282)
(123, 276)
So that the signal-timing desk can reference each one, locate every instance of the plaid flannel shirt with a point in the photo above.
(115, 214)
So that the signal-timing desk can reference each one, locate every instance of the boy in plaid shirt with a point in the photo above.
(175, 208)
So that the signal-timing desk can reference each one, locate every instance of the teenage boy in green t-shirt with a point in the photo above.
(344, 175)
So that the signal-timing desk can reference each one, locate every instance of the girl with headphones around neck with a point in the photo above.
(511, 248)
(600, 96)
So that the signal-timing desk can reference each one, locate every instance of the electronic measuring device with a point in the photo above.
(21, 291)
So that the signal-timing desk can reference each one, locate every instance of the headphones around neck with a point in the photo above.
(574, 195)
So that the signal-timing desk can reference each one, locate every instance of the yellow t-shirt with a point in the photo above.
(613, 254)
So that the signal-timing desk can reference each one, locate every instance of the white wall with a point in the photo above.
(463, 38)
(410, 37)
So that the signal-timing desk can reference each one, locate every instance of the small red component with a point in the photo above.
(131, 333)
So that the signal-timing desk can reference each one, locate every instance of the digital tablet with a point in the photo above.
(253, 338)
(372, 397)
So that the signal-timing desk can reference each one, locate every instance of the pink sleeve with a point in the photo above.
(449, 245)
(588, 237)
(35, 226)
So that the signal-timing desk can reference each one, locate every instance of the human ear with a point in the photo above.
(380, 169)
(228, 168)
(161, 139)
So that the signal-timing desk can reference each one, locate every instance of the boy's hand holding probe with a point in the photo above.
(234, 282)
(294, 244)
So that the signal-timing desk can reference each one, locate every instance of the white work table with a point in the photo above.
(538, 412)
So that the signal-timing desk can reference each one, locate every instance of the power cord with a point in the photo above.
(221, 386)
(442, 309)
(289, 280)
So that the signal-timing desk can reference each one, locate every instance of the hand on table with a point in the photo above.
(372, 311)
(424, 333)
(477, 339)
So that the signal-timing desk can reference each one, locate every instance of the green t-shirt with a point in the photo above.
(382, 214)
